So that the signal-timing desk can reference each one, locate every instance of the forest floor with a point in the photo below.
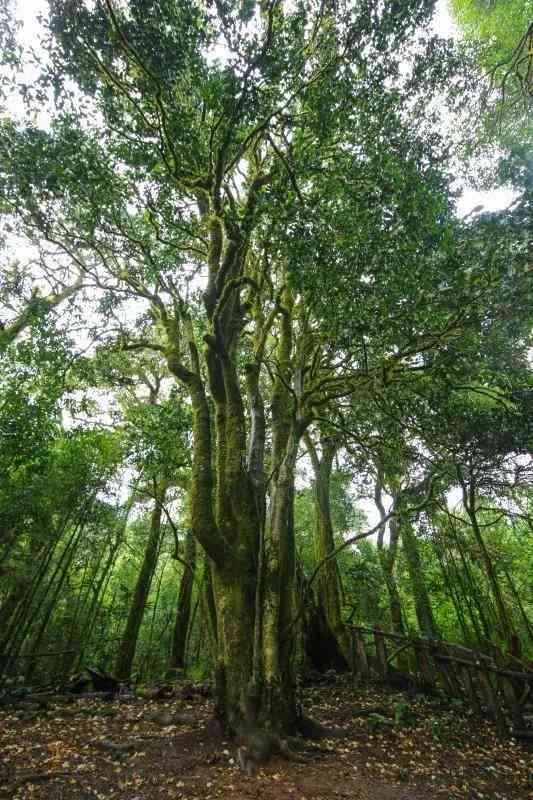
(395, 748)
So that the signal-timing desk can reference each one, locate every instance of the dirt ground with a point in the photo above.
(395, 748)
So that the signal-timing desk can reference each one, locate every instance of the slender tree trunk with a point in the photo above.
(15, 612)
(21, 620)
(478, 610)
(506, 626)
(149, 663)
(99, 591)
(527, 622)
(452, 584)
(387, 561)
(62, 571)
(387, 558)
(128, 644)
(183, 610)
(71, 645)
(469, 500)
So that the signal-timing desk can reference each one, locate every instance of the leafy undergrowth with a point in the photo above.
(395, 748)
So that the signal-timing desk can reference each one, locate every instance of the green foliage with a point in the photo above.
(378, 721)
(156, 436)
(500, 23)
(403, 713)
(502, 33)
(436, 728)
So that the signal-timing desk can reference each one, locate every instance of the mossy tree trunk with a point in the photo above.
(251, 557)
(226, 522)
(328, 584)
(278, 565)
(387, 559)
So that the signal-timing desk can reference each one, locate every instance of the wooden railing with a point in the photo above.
(496, 684)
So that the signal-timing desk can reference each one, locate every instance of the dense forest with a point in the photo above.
(265, 388)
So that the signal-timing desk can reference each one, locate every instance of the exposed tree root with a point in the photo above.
(310, 729)
(257, 746)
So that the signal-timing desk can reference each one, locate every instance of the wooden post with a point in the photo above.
(492, 701)
(512, 702)
(450, 683)
(447, 683)
(471, 690)
(361, 661)
(424, 662)
(381, 654)
(457, 689)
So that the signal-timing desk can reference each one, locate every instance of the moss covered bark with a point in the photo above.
(328, 584)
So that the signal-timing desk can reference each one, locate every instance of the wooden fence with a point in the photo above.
(493, 684)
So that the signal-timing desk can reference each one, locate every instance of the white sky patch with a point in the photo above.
(28, 11)
(493, 200)
(443, 23)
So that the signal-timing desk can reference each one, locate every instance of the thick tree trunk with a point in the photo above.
(278, 706)
(183, 611)
(225, 521)
(128, 644)
(234, 593)
(252, 561)
(276, 600)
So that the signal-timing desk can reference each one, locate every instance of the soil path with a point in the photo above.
(395, 748)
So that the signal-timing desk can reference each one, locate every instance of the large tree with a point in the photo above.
(231, 171)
